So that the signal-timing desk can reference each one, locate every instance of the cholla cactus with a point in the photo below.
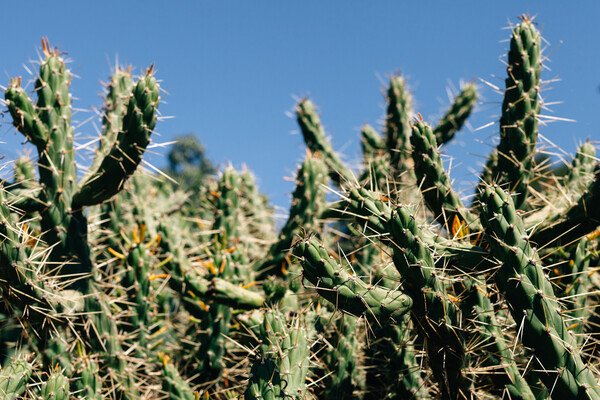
(447, 276)
(122, 286)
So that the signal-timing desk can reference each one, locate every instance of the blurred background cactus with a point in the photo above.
(383, 283)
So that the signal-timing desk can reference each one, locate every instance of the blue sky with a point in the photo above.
(232, 71)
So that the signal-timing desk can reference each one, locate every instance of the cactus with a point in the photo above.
(14, 377)
(448, 316)
(457, 114)
(125, 286)
(47, 125)
(520, 110)
(281, 371)
(533, 302)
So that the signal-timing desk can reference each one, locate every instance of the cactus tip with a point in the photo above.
(526, 18)
(15, 81)
(46, 48)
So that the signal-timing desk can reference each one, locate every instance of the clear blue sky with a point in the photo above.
(232, 70)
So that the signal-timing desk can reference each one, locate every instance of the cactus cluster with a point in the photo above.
(120, 285)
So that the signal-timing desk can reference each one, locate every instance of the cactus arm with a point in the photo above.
(487, 332)
(314, 136)
(435, 184)
(258, 214)
(265, 382)
(397, 125)
(577, 180)
(520, 109)
(581, 171)
(47, 125)
(105, 340)
(281, 371)
(346, 291)
(340, 357)
(580, 283)
(578, 220)
(223, 292)
(56, 387)
(457, 114)
(24, 192)
(126, 153)
(14, 377)
(308, 201)
(372, 143)
(434, 313)
(89, 382)
(395, 371)
(117, 98)
(533, 303)
(486, 178)
(376, 161)
(24, 116)
(173, 384)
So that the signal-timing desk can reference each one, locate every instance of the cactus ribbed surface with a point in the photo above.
(532, 300)
(457, 114)
(123, 285)
(520, 110)
(314, 136)
(338, 285)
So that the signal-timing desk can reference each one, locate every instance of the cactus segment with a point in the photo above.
(520, 110)
(457, 114)
(376, 161)
(435, 185)
(487, 332)
(343, 378)
(281, 371)
(372, 143)
(126, 152)
(314, 136)
(56, 387)
(397, 125)
(25, 118)
(576, 221)
(344, 290)
(117, 99)
(265, 381)
(173, 384)
(89, 383)
(582, 168)
(396, 372)
(223, 292)
(14, 377)
(308, 202)
(532, 300)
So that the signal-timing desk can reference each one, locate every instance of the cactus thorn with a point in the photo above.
(159, 276)
(116, 253)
